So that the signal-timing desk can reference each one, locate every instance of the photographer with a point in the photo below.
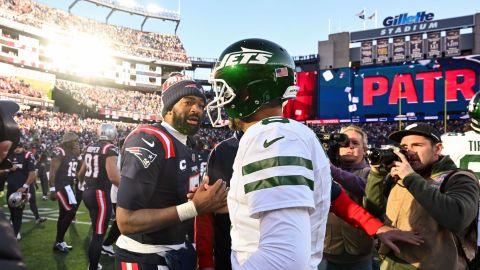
(347, 247)
(428, 196)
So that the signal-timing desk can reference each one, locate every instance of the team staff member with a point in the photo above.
(63, 170)
(99, 171)
(20, 176)
(42, 169)
(423, 200)
(158, 170)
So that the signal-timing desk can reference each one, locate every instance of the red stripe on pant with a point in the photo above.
(129, 266)
(101, 202)
(63, 201)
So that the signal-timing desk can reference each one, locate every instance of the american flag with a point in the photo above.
(281, 72)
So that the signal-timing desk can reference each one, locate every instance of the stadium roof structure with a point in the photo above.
(155, 13)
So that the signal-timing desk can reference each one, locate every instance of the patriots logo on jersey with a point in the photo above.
(145, 156)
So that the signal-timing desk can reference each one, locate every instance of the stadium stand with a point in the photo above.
(121, 39)
(97, 97)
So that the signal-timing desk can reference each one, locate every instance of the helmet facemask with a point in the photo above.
(224, 95)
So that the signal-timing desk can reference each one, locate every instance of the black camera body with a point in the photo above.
(384, 157)
(331, 143)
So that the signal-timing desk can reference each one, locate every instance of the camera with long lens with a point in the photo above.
(331, 143)
(384, 157)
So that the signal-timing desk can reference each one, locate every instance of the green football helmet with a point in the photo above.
(250, 73)
(474, 112)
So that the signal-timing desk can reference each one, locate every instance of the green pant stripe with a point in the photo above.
(275, 162)
(278, 181)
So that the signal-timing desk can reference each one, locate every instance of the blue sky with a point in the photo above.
(209, 26)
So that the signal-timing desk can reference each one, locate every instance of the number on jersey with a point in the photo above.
(91, 161)
(72, 168)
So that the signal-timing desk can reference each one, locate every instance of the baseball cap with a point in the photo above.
(422, 129)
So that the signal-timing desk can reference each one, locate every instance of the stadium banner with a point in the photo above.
(413, 28)
(416, 47)
(366, 52)
(398, 49)
(433, 44)
(417, 90)
(452, 44)
(301, 108)
(382, 50)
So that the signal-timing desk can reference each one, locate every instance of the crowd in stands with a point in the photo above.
(12, 85)
(97, 97)
(121, 39)
(43, 129)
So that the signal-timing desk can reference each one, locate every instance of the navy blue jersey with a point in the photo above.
(95, 161)
(220, 161)
(67, 170)
(157, 172)
(25, 163)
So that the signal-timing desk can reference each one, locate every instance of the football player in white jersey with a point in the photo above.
(279, 194)
(464, 148)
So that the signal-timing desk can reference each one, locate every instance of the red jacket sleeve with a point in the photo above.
(354, 214)
(204, 240)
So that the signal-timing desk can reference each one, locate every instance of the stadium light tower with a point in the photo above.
(130, 6)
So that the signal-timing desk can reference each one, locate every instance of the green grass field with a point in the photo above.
(37, 240)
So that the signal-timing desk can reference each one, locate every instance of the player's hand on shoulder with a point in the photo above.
(209, 198)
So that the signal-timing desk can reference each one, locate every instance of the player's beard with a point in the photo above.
(181, 125)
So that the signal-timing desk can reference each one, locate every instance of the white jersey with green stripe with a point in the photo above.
(463, 149)
(279, 164)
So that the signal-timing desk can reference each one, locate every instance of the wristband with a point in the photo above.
(186, 211)
(26, 186)
(52, 189)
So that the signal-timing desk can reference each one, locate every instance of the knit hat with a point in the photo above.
(176, 87)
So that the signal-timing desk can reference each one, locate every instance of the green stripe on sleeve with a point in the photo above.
(275, 162)
(278, 181)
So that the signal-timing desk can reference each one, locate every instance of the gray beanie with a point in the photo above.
(176, 87)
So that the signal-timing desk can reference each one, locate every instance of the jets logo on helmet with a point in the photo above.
(245, 56)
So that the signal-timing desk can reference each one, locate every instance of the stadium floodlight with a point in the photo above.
(128, 3)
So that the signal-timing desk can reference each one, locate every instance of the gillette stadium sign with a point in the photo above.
(405, 24)
(405, 19)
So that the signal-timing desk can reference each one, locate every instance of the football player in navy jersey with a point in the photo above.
(158, 170)
(19, 178)
(10, 255)
(99, 171)
(63, 169)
